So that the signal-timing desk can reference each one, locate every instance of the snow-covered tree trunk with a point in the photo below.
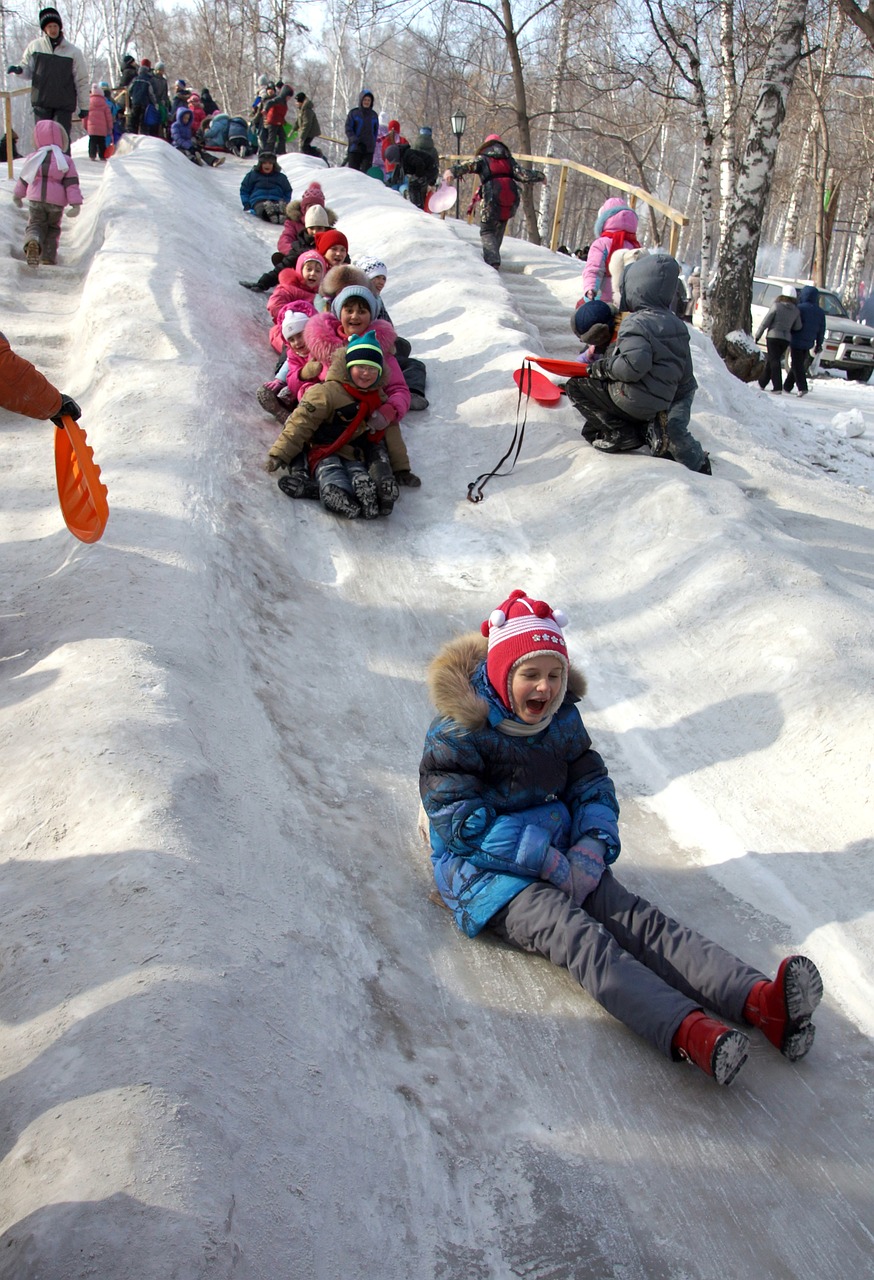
(739, 243)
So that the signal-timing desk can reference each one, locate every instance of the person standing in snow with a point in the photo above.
(523, 823)
(779, 324)
(307, 127)
(810, 335)
(24, 390)
(49, 180)
(99, 126)
(58, 74)
(362, 128)
(421, 166)
(499, 176)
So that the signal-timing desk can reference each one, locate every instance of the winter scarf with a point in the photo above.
(30, 168)
(368, 402)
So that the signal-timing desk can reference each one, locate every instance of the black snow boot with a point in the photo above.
(340, 502)
(365, 492)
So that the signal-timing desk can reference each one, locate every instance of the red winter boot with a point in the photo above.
(718, 1050)
(782, 1008)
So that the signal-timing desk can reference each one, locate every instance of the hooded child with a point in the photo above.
(265, 190)
(523, 823)
(615, 228)
(49, 181)
(362, 130)
(98, 124)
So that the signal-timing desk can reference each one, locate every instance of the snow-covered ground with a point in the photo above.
(238, 1038)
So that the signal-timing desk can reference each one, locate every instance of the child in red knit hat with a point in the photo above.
(523, 831)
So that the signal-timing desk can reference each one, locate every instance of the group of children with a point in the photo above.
(345, 379)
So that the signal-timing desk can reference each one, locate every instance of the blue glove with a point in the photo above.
(14, 71)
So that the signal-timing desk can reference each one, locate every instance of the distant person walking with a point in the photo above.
(57, 71)
(779, 324)
(500, 176)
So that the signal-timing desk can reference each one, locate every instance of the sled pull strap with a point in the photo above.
(475, 488)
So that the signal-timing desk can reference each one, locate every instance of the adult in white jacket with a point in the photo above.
(57, 70)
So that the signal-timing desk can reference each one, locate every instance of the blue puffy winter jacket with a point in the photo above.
(812, 331)
(497, 802)
(258, 186)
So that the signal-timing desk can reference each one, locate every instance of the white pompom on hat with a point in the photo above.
(523, 628)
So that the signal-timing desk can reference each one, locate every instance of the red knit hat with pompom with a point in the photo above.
(523, 628)
(313, 195)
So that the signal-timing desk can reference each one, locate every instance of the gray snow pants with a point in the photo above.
(491, 234)
(646, 969)
(44, 226)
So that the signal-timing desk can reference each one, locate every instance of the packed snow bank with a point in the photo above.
(239, 1039)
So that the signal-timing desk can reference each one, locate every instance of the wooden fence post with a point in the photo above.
(559, 207)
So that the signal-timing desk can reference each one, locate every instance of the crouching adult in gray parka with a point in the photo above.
(639, 376)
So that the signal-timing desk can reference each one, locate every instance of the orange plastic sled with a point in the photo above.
(81, 492)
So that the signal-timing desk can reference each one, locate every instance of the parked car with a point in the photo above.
(848, 345)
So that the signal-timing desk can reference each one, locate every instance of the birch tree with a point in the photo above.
(739, 243)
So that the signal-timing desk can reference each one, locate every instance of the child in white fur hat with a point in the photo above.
(524, 830)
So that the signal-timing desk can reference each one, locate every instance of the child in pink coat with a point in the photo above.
(49, 179)
(98, 124)
(299, 282)
(615, 228)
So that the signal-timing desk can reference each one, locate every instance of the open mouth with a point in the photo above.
(535, 706)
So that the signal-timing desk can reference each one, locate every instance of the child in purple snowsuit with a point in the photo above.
(49, 180)
(523, 832)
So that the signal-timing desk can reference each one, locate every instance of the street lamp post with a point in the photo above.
(459, 124)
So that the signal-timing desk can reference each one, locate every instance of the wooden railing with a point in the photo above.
(8, 95)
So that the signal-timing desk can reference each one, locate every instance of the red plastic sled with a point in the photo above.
(564, 368)
(534, 384)
(81, 492)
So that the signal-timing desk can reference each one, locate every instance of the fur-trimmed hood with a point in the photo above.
(450, 681)
(323, 336)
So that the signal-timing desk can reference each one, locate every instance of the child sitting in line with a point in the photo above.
(414, 371)
(316, 219)
(326, 426)
(286, 388)
(351, 314)
(49, 180)
(298, 283)
(523, 831)
(296, 224)
(333, 246)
